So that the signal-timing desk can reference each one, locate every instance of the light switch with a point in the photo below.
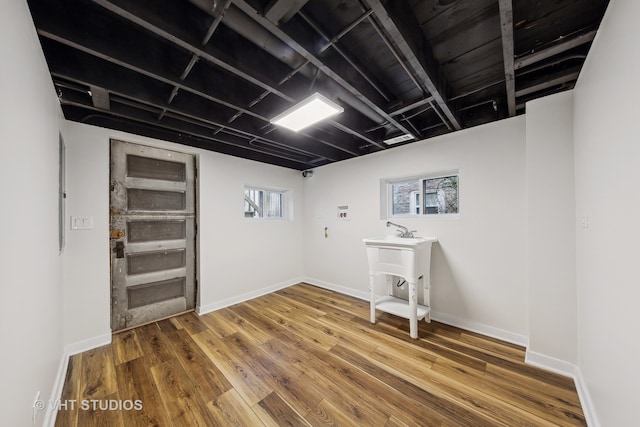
(81, 222)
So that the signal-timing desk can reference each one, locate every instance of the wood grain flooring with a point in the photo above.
(309, 356)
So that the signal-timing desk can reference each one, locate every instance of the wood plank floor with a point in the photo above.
(309, 356)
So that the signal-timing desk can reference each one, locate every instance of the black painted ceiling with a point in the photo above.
(212, 73)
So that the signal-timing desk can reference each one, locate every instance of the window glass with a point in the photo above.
(261, 203)
(441, 195)
(426, 195)
(403, 197)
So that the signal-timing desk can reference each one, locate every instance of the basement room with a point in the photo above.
(325, 212)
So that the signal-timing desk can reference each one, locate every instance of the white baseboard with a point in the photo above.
(440, 317)
(207, 308)
(363, 295)
(88, 344)
(56, 392)
(58, 384)
(585, 400)
(550, 364)
(481, 328)
(570, 370)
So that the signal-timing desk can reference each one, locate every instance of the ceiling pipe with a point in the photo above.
(239, 22)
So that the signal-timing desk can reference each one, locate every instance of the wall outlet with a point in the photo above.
(343, 213)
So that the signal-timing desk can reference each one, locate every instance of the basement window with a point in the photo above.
(266, 203)
(421, 196)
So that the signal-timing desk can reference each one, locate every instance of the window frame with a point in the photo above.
(386, 195)
(286, 205)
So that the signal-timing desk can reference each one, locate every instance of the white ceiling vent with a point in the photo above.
(399, 138)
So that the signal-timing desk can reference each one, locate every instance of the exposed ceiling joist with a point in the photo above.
(412, 105)
(140, 15)
(188, 112)
(157, 27)
(219, 14)
(506, 29)
(313, 59)
(346, 57)
(123, 111)
(224, 135)
(410, 40)
(212, 73)
(283, 10)
(555, 49)
(101, 49)
(345, 31)
(110, 78)
(548, 83)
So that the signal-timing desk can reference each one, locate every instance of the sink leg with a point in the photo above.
(427, 298)
(372, 296)
(413, 310)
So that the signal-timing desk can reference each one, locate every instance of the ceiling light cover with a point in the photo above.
(307, 112)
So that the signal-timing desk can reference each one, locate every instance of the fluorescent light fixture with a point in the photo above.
(399, 138)
(312, 110)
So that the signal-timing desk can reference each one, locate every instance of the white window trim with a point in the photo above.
(287, 203)
(386, 199)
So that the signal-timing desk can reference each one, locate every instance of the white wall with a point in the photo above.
(238, 257)
(478, 266)
(551, 244)
(607, 164)
(30, 275)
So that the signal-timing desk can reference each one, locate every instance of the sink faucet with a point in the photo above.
(404, 231)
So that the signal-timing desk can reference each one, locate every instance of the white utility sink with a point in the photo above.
(395, 241)
(406, 257)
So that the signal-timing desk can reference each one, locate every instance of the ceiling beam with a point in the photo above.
(278, 9)
(192, 116)
(406, 33)
(140, 15)
(547, 83)
(390, 46)
(216, 21)
(506, 29)
(412, 105)
(127, 84)
(143, 116)
(345, 31)
(101, 48)
(350, 61)
(556, 49)
(313, 59)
